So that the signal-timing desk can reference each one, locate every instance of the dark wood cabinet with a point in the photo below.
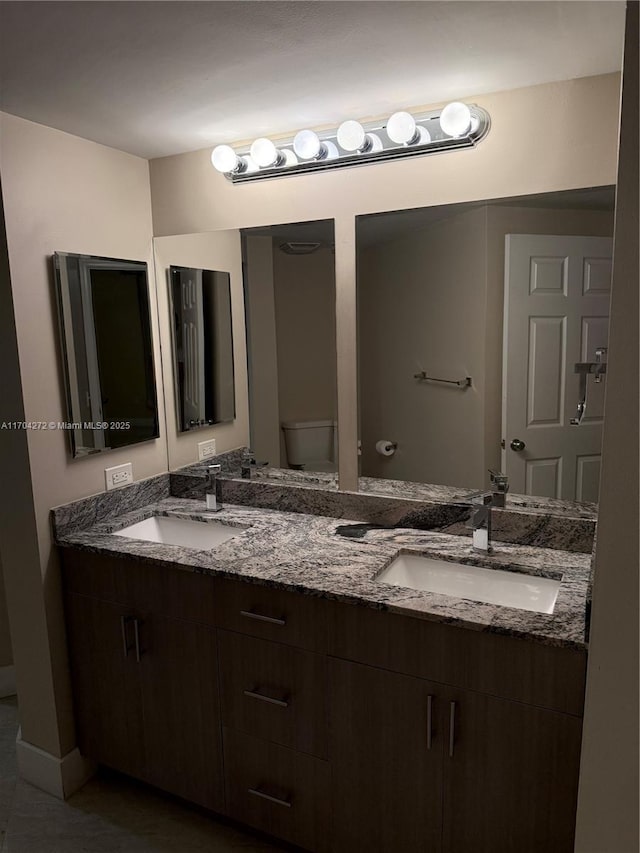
(510, 776)
(342, 728)
(145, 688)
(274, 691)
(106, 683)
(278, 790)
(179, 687)
(419, 766)
(386, 750)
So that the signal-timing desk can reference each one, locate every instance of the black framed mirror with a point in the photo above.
(202, 338)
(107, 352)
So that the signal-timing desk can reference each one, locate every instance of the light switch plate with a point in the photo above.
(119, 475)
(206, 449)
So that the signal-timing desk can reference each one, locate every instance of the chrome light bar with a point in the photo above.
(330, 149)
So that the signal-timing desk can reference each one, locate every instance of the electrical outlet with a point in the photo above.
(119, 475)
(206, 449)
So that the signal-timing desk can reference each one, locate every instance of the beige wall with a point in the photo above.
(61, 193)
(305, 312)
(608, 796)
(263, 352)
(220, 250)
(421, 306)
(542, 139)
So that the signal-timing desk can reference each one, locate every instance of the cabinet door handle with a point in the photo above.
(124, 621)
(261, 618)
(277, 800)
(123, 626)
(429, 721)
(452, 728)
(255, 694)
(136, 638)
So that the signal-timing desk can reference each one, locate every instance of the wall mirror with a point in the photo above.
(471, 318)
(103, 309)
(202, 344)
(289, 289)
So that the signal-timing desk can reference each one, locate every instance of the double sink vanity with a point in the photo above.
(388, 691)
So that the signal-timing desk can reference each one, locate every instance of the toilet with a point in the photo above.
(311, 445)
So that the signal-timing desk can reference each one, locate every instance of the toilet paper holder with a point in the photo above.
(385, 447)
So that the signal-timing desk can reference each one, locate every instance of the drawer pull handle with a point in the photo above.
(254, 694)
(261, 618)
(452, 728)
(276, 800)
(429, 721)
(123, 625)
(136, 636)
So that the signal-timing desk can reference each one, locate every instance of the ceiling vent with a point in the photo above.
(294, 247)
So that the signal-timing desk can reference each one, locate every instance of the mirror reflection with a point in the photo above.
(289, 284)
(103, 309)
(200, 305)
(471, 319)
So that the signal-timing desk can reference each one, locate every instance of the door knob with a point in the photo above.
(517, 445)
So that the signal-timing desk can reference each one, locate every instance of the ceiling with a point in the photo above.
(159, 78)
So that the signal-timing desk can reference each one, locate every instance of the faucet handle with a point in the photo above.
(214, 469)
(499, 480)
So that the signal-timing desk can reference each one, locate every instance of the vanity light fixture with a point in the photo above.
(402, 129)
(308, 146)
(352, 136)
(355, 143)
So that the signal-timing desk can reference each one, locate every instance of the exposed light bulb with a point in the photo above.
(351, 136)
(225, 159)
(265, 154)
(403, 130)
(307, 144)
(455, 119)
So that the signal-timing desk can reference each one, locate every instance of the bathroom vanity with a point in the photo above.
(274, 678)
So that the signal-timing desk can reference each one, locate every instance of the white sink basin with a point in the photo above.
(181, 531)
(492, 586)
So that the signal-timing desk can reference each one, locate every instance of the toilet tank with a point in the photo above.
(309, 442)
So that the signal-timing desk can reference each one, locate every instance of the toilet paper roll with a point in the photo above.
(385, 448)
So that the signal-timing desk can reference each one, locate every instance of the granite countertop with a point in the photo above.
(302, 552)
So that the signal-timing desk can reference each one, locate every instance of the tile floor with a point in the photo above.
(110, 814)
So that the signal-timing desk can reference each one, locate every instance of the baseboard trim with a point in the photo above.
(61, 777)
(7, 681)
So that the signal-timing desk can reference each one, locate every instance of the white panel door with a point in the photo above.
(557, 293)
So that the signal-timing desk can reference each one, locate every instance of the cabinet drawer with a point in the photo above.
(273, 614)
(143, 587)
(508, 667)
(274, 691)
(277, 790)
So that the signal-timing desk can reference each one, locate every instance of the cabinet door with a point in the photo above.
(386, 753)
(106, 684)
(182, 731)
(510, 777)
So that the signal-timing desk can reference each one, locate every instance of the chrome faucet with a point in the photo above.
(213, 503)
(482, 503)
(481, 522)
(249, 466)
(499, 487)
